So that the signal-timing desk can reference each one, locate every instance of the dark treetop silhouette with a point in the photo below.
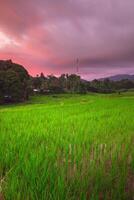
(13, 82)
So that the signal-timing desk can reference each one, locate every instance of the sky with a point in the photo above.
(50, 35)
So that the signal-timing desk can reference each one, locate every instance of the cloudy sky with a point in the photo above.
(49, 35)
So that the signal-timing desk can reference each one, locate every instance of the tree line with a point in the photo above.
(74, 84)
(16, 84)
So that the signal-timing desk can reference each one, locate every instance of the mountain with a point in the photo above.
(119, 77)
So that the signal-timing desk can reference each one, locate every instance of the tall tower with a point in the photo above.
(77, 66)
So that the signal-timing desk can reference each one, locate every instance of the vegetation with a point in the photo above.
(16, 85)
(13, 82)
(68, 147)
(65, 146)
(74, 84)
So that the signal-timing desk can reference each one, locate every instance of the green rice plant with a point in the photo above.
(70, 147)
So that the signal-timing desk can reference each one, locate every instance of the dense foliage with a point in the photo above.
(74, 84)
(13, 82)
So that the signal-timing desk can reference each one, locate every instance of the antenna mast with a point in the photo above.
(77, 66)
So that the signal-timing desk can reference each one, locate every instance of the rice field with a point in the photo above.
(68, 147)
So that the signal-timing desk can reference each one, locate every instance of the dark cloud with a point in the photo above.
(49, 35)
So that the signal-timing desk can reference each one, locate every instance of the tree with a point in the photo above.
(63, 82)
(54, 84)
(37, 82)
(13, 82)
(73, 83)
(83, 88)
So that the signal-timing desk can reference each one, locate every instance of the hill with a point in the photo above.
(119, 77)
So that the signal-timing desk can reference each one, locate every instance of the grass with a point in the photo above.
(70, 147)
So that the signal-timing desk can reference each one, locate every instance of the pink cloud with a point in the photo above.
(49, 35)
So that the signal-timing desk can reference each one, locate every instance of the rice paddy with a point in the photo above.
(68, 147)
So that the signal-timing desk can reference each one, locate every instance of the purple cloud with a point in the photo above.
(50, 35)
